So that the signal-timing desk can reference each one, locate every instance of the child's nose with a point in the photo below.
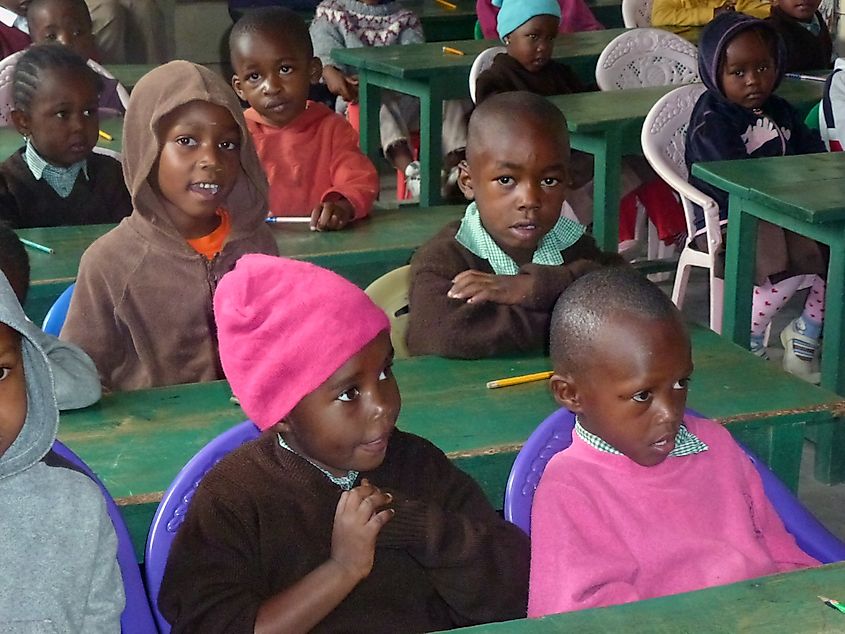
(271, 85)
(529, 195)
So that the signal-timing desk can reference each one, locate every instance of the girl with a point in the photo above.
(142, 304)
(56, 179)
(741, 61)
(332, 520)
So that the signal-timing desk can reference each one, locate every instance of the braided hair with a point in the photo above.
(43, 57)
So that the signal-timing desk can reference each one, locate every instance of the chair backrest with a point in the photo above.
(55, 317)
(122, 93)
(137, 618)
(174, 505)
(646, 57)
(636, 13)
(481, 63)
(7, 99)
(390, 293)
(554, 434)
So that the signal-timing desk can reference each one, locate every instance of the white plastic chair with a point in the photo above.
(646, 57)
(481, 63)
(390, 293)
(636, 13)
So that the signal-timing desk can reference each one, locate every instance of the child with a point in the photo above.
(486, 285)
(14, 31)
(646, 501)
(832, 108)
(56, 179)
(333, 519)
(354, 23)
(805, 33)
(58, 550)
(575, 16)
(309, 153)
(699, 12)
(142, 304)
(741, 63)
(74, 376)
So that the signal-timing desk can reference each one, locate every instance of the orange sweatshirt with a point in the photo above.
(309, 159)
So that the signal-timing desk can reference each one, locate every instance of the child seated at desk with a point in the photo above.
(685, 13)
(14, 31)
(75, 377)
(486, 285)
(332, 520)
(57, 179)
(646, 501)
(58, 550)
(575, 16)
(142, 304)
(741, 63)
(832, 108)
(310, 154)
(804, 32)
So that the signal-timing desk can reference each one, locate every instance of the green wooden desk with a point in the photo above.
(785, 603)
(608, 125)
(441, 23)
(361, 253)
(129, 74)
(137, 441)
(608, 12)
(11, 140)
(424, 71)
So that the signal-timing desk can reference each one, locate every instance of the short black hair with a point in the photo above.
(585, 307)
(274, 21)
(34, 5)
(508, 107)
(14, 261)
(43, 57)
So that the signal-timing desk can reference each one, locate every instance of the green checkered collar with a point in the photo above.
(686, 443)
(61, 179)
(473, 236)
(346, 482)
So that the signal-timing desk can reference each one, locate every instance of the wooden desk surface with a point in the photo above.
(785, 603)
(11, 140)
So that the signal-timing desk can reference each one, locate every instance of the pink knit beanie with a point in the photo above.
(284, 327)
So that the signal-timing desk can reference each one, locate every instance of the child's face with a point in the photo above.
(12, 388)
(273, 76)
(64, 23)
(345, 424)
(518, 177)
(632, 393)
(198, 164)
(802, 10)
(62, 121)
(533, 42)
(749, 71)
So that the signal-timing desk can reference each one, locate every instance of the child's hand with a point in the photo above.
(476, 287)
(332, 215)
(359, 516)
(340, 84)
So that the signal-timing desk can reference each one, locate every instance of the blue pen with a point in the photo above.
(287, 219)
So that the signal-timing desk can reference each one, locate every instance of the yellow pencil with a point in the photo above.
(446, 5)
(452, 51)
(106, 136)
(517, 380)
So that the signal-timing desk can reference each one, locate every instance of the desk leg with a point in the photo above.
(431, 143)
(833, 361)
(607, 178)
(369, 98)
(739, 273)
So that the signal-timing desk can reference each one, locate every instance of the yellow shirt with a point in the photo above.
(700, 12)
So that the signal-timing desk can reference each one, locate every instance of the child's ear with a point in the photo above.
(236, 84)
(21, 121)
(565, 391)
(316, 70)
(465, 180)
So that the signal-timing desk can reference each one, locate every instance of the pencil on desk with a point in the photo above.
(517, 380)
(106, 136)
(287, 219)
(446, 5)
(452, 51)
(836, 605)
(804, 77)
(36, 246)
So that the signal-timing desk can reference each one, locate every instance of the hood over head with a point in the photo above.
(715, 38)
(42, 413)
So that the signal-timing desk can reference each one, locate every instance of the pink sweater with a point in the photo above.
(309, 159)
(575, 16)
(605, 530)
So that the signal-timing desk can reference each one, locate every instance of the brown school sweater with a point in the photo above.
(804, 51)
(446, 327)
(506, 75)
(262, 519)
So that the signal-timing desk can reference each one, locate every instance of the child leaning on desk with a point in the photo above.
(804, 32)
(142, 304)
(332, 520)
(646, 501)
(309, 153)
(741, 62)
(486, 285)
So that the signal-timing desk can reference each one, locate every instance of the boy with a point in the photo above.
(57, 544)
(14, 31)
(309, 153)
(575, 16)
(804, 31)
(486, 285)
(645, 502)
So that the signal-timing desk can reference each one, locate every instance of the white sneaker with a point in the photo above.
(792, 363)
(412, 178)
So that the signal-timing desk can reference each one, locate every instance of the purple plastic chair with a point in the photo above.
(55, 317)
(137, 617)
(174, 505)
(555, 434)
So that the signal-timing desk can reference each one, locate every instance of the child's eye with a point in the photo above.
(88, 112)
(5, 372)
(386, 373)
(642, 397)
(253, 77)
(50, 36)
(228, 145)
(185, 140)
(532, 36)
(285, 70)
(550, 181)
(682, 384)
(762, 69)
(349, 395)
(505, 180)
(61, 114)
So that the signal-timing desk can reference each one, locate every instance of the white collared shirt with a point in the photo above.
(10, 18)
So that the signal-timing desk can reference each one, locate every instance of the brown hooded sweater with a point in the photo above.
(142, 305)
